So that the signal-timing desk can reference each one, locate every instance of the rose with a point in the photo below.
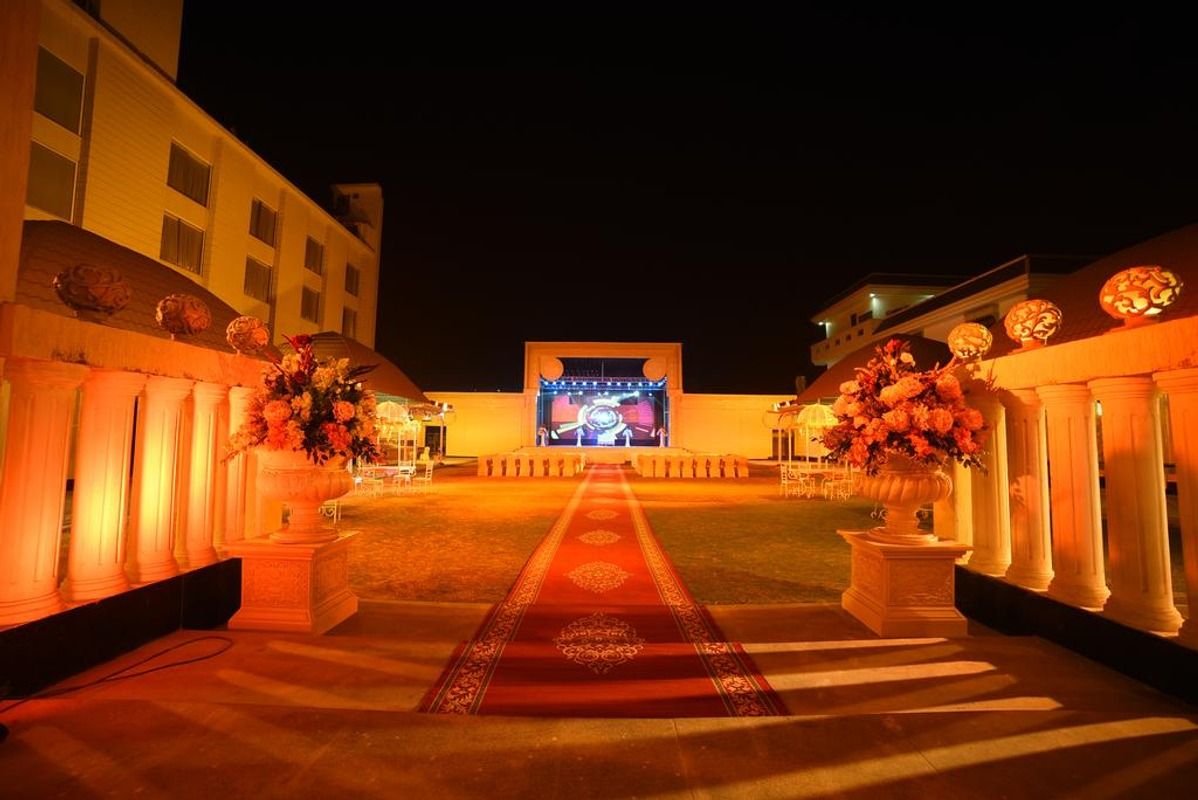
(343, 411)
(940, 420)
(276, 411)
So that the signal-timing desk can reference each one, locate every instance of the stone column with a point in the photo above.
(151, 523)
(33, 479)
(236, 496)
(1027, 471)
(1182, 387)
(96, 560)
(988, 492)
(1079, 577)
(1137, 532)
(199, 519)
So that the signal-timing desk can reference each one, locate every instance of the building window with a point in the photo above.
(188, 175)
(352, 278)
(314, 256)
(51, 182)
(262, 222)
(59, 92)
(182, 245)
(862, 317)
(349, 322)
(257, 280)
(310, 305)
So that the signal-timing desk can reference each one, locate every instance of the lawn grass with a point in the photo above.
(464, 541)
(740, 542)
(732, 541)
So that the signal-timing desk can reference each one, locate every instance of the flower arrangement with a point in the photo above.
(316, 406)
(893, 408)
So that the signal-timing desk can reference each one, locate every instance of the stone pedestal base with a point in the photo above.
(904, 590)
(302, 588)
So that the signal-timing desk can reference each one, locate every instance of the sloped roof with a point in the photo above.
(48, 247)
(1077, 294)
(385, 378)
(1024, 265)
(927, 353)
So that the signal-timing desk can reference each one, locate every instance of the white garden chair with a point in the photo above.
(423, 482)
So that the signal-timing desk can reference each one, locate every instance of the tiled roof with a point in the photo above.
(48, 247)
(1077, 294)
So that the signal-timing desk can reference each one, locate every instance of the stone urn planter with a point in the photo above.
(290, 476)
(902, 486)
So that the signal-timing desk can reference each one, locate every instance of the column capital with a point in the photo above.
(1131, 387)
(1177, 380)
(210, 392)
(170, 388)
(1065, 393)
(115, 381)
(1022, 398)
(241, 393)
(50, 374)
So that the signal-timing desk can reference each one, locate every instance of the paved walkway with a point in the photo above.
(333, 716)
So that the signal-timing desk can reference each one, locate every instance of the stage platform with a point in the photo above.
(605, 455)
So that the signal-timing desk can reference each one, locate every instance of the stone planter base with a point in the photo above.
(301, 588)
(904, 590)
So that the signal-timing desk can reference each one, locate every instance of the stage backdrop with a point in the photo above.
(493, 422)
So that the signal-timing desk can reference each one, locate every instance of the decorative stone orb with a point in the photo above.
(969, 340)
(1032, 322)
(551, 368)
(183, 315)
(94, 293)
(654, 369)
(1139, 294)
(247, 335)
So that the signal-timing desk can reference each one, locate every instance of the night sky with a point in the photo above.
(704, 179)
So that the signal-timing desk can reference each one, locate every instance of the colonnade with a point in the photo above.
(152, 493)
(1036, 510)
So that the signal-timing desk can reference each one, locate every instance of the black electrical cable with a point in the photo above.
(124, 672)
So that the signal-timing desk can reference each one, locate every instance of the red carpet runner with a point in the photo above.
(599, 625)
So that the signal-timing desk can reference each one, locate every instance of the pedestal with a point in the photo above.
(904, 590)
(299, 588)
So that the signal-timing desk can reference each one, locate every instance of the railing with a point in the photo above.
(137, 425)
(538, 464)
(1073, 425)
(691, 465)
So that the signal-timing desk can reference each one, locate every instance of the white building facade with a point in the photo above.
(118, 150)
